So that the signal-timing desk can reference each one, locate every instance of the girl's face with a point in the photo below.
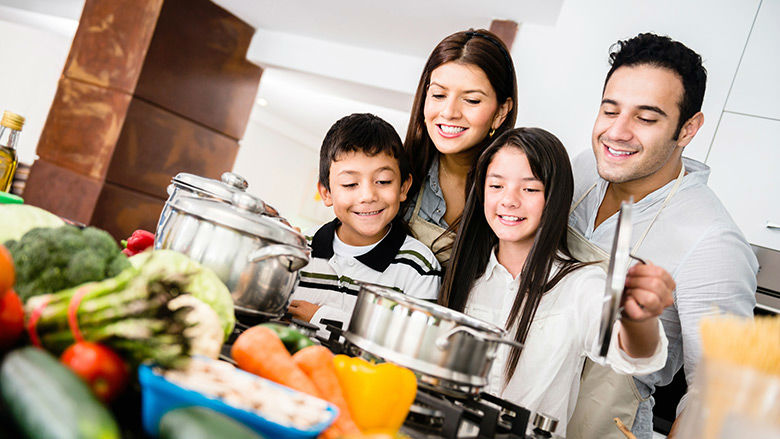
(514, 199)
(461, 107)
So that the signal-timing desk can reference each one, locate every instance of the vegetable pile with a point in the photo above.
(52, 259)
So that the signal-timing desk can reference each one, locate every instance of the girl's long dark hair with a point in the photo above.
(483, 49)
(549, 163)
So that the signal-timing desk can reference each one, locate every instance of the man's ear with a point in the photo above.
(689, 129)
(502, 113)
(405, 187)
(324, 194)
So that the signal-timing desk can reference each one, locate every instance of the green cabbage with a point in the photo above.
(18, 219)
(205, 284)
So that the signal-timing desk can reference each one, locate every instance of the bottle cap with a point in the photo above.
(12, 121)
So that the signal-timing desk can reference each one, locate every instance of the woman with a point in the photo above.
(511, 266)
(466, 95)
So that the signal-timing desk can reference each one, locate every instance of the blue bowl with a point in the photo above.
(159, 396)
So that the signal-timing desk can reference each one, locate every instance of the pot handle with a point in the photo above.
(443, 342)
(298, 257)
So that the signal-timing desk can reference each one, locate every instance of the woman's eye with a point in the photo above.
(494, 186)
(473, 101)
(531, 189)
(438, 95)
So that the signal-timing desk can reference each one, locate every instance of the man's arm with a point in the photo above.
(717, 276)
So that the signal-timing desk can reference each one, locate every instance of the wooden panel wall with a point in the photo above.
(150, 88)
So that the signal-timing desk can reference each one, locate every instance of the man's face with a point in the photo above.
(633, 137)
(365, 192)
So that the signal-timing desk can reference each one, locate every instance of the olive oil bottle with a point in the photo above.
(10, 128)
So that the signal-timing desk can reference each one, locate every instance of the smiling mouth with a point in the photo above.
(619, 153)
(450, 130)
(511, 218)
(372, 213)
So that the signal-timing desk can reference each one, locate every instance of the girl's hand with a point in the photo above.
(648, 292)
(302, 310)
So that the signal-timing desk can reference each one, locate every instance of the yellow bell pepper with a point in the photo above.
(378, 395)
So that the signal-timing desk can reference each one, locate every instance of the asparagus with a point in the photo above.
(129, 313)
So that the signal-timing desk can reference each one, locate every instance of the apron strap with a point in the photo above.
(418, 202)
(676, 186)
(577, 203)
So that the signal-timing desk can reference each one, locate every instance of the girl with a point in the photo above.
(511, 266)
(465, 96)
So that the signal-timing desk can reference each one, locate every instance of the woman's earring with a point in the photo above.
(492, 131)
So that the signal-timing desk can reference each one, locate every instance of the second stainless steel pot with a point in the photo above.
(427, 338)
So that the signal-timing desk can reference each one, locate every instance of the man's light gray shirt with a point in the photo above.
(697, 242)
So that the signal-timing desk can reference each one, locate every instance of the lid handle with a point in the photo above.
(234, 180)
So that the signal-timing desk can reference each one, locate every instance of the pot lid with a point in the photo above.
(619, 258)
(244, 214)
(230, 183)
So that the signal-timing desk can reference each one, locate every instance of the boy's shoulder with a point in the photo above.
(415, 252)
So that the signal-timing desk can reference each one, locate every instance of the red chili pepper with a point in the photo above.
(139, 241)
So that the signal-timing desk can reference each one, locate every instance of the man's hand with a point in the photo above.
(648, 291)
(302, 310)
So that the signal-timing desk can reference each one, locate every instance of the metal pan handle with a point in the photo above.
(443, 341)
(298, 257)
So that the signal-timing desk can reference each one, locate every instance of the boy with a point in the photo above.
(364, 175)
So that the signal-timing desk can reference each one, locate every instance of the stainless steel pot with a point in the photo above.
(425, 337)
(190, 185)
(256, 256)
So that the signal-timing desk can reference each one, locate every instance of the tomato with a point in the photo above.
(102, 369)
(7, 275)
(11, 318)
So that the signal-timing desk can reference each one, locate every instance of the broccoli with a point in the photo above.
(48, 260)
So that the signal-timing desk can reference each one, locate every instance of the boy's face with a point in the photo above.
(366, 193)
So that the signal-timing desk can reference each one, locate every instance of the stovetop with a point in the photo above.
(433, 414)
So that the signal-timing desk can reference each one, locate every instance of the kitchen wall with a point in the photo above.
(33, 49)
(560, 70)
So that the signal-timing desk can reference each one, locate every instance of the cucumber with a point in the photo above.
(202, 423)
(47, 400)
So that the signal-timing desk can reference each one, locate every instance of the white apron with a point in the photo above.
(604, 393)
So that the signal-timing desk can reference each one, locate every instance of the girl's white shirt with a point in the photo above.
(563, 333)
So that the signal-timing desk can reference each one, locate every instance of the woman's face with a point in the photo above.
(461, 107)
(514, 199)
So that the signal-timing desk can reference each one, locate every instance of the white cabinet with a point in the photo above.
(745, 162)
(756, 89)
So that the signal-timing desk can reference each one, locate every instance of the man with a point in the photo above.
(650, 110)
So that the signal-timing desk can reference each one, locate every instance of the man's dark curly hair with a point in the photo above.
(662, 51)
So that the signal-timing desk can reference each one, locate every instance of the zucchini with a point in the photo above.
(292, 339)
(47, 400)
(202, 423)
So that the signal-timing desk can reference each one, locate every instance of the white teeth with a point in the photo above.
(616, 152)
(510, 218)
(368, 213)
(451, 130)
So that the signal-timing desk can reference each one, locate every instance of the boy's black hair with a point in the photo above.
(363, 132)
(662, 51)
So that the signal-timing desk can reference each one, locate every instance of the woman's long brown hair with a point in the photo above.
(550, 164)
(480, 48)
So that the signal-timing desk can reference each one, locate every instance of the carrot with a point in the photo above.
(317, 363)
(260, 351)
